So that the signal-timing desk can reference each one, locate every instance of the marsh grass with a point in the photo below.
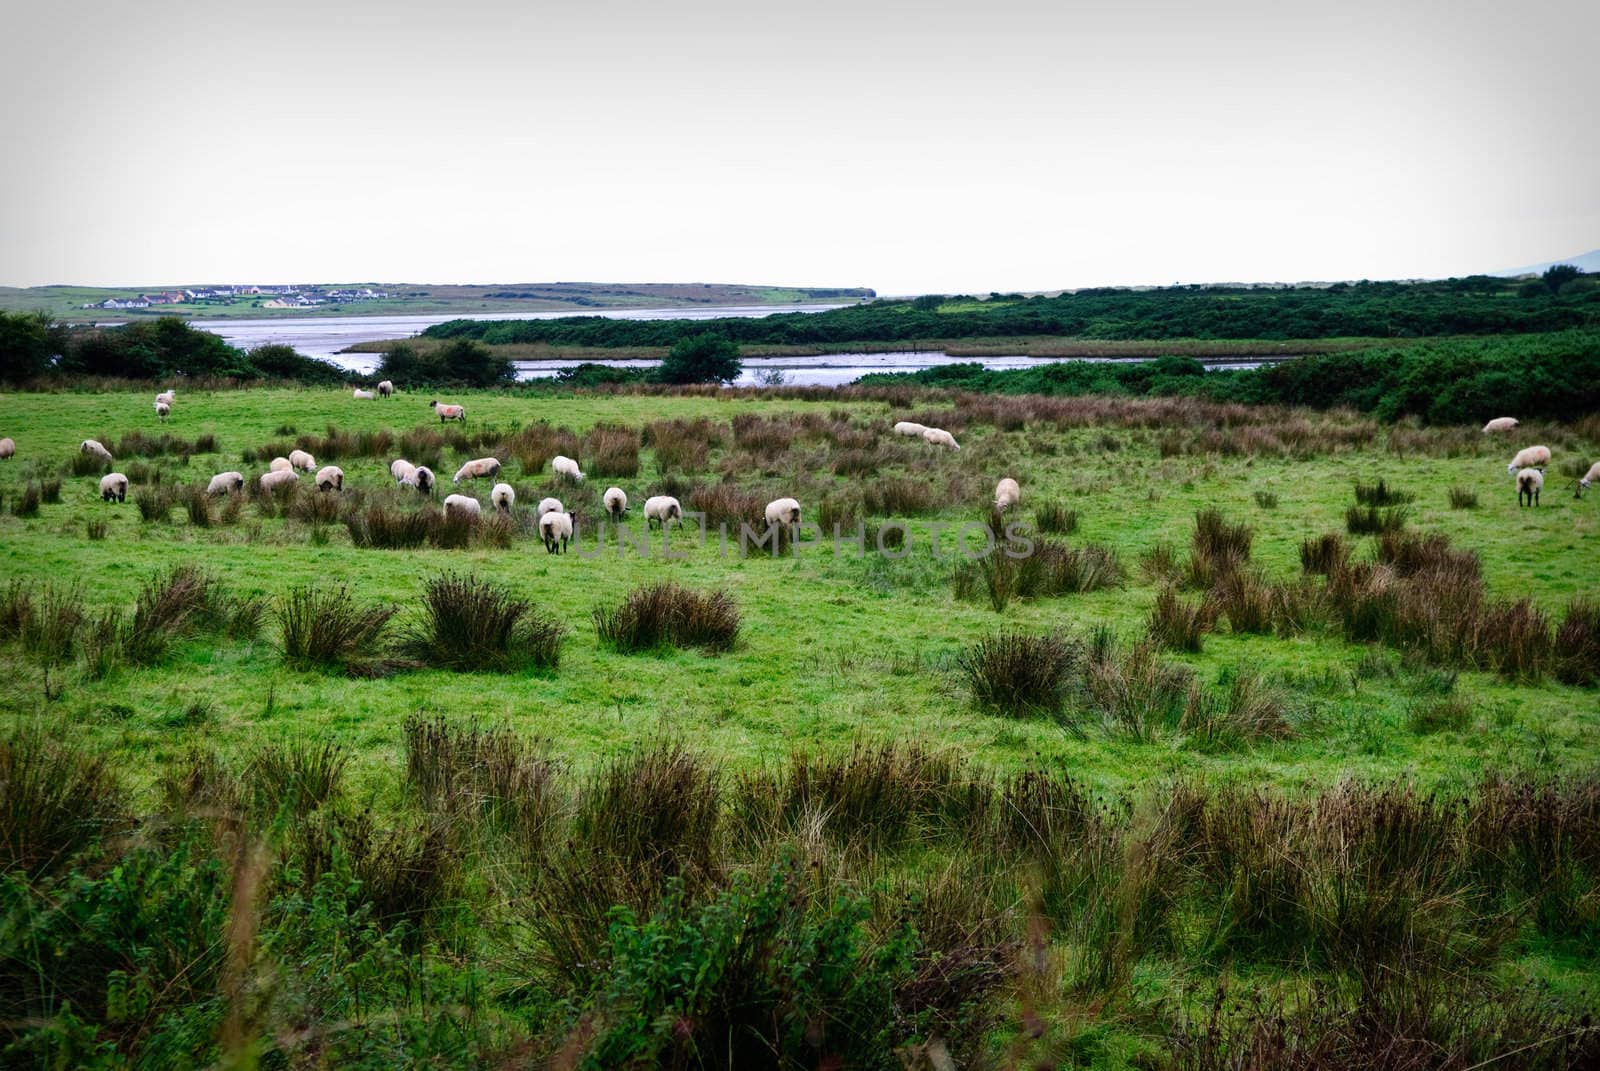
(1372, 520)
(1055, 519)
(471, 625)
(323, 628)
(1179, 624)
(1381, 494)
(1576, 650)
(56, 800)
(668, 614)
(1463, 498)
(1020, 675)
(296, 777)
(388, 527)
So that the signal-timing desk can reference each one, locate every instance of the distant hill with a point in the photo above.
(1589, 262)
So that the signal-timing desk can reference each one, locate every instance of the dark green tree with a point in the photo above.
(1558, 275)
(27, 342)
(705, 358)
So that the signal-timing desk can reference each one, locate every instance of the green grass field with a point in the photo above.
(835, 650)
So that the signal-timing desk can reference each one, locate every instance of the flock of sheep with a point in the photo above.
(1529, 465)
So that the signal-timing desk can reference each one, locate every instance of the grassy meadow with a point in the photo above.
(851, 687)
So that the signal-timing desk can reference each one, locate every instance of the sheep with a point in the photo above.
(163, 410)
(910, 429)
(548, 504)
(330, 478)
(224, 483)
(565, 466)
(273, 479)
(661, 509)
(1529, 457)
(1583, 485)
(166, 397)
(1529, 481)
(420, 478)
(8, 449)
(940, 437)
(449, 412)
(301, 460)
(616, 500)
(362, 395)
(94, 449)
(113, 487)
(483, 466)
(385, 389)
(462, 504)
(1006, 494)
(556, 528)
(280, 464)
(399, 469)
(1503, 423)
(782, 511)
(504, 496)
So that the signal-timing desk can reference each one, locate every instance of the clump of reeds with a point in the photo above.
(325, 627)
(1179, 624)
(469, 624)
(1020, 675)
(55, 801)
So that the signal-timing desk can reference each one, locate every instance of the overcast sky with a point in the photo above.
(912, 147)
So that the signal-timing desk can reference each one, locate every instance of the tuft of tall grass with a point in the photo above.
(612, 450)
(170, 606)
(1381, 494)
(324, 627)
(1244, 710)
(1370, 520)
(1221, 540)
(55, 802)
(1324, 554)
(1133, 688)
(1576, 652)
(467, 624)
(49, 630)
(95, 530)
(1266, 499)
(154, 502)
(488, 775)
(1020, 675)
(296, 777)
(197, 504)
(1178, 624)
(1463, 498)
(387, 528)
(663, 614)
(27, 502)
(1052, 518)
(1246, 598)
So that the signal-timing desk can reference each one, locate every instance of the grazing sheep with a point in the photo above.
(1529, 481)
(661, 509)
(1006, 494)
(421, 478)
(400, 468)
(362, 395)
(504, 496)
(224, 483)
(910, 429)
(280, 464)
(782, 511)
(114, 487)
(301, 460)
(8, 449)
(548, 504)
(556, 528)
(1529, 457)
(565, 466)
(385, 389)
(616, 501)
(467, 507)
(94, 449)
(166, 397)
(940, 437)
(273, 479)
(449, 412)
(163, 410)
(1502, 423)
(483, 466)
(330, 478)
(1583, 484)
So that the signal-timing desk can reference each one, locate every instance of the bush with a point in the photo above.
(704, 358)
(469, 624)
(663, 614)
(323, 628)
(1018, 675)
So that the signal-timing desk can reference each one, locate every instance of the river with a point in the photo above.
(328, 336)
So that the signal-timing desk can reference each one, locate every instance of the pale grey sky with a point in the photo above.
(910, 146)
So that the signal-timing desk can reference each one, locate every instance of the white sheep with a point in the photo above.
(113, 487)
(280, 464)
(1502, 423)
(400, 468)
(504, 497)
(362, 395)
(556, 530)
(273, 479)
(8, 449)
(301, 460)
(1529, 482)
(940, 437)
(1006, 494)
(910, 429)
(565, 466)
(420, 478)
(548, 504)
(225, 483)
(167, 397)
(449, 412)
(330, 478)
(462, 505)
(616, 500)
(782, 511)
(385, 389)
(661, 509)
(1529, 457)
(482, 466)
(163, 410)
(94, 449)
(1583, 485)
